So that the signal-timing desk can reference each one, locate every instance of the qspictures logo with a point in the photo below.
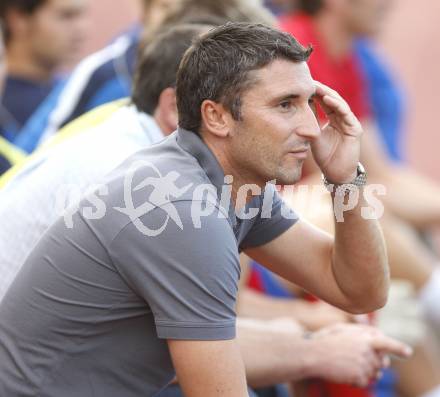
(159, 190)
(164, 191)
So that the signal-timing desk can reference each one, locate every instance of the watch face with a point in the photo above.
(361, 169)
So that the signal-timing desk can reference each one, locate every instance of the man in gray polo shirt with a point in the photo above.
(144, 274)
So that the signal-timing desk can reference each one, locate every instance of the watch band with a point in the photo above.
(344, 188)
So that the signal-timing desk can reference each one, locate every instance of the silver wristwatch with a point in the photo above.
(344, 188)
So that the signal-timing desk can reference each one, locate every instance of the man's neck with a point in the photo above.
(335, 38)
(240, 179)
(21, 64)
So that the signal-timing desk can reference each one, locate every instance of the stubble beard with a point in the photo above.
(289, 175)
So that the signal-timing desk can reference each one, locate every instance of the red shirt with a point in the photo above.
(343, 75)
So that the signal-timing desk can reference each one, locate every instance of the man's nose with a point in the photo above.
(309, 125)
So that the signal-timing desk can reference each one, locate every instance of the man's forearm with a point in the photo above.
(359, 260)
(311, 316)
(279, 352)
(273, 351)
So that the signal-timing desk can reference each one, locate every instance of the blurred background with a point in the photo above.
(408, 39)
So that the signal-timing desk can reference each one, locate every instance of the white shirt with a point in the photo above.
(30, 202)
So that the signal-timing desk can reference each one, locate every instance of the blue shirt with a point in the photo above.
(102, 77)
(386, 99)
(20, 99)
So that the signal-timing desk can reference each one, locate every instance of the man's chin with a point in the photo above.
(289, 178)
(292, 175)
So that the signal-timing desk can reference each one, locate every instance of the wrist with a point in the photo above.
(341, 180)
(314, 357)
(358, 180)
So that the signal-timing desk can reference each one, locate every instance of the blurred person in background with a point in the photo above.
(41, 36)
(351, 66)
(107, 74)
(99, 78)
(9, 154)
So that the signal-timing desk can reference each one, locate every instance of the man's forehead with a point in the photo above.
(283, 76)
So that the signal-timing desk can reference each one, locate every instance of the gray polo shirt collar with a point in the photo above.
(192, 143)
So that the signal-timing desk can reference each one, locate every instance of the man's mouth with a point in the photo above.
(300, 153)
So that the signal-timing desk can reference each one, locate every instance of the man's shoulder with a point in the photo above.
(164, 165)
(162, 177)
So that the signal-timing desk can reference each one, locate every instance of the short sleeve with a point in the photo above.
(275, 217)
(188, 273)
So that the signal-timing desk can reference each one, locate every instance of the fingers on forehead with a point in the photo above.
(322, 89)
(337, 103)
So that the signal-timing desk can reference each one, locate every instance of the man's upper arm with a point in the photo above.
(274, 218)
(209, 368)
(303, 255)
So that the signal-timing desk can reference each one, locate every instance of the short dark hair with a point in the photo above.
(24, 6)
(158, 63)
(218, 66)
(310, 7)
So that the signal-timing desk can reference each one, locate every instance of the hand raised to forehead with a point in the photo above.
(337, 150)
(337, 110)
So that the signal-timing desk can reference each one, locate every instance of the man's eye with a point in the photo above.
(286, 105)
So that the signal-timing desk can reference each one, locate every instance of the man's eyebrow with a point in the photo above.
(292, 96)
(283, 97)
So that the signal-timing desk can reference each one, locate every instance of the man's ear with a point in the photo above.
(166, 110)
(216, 119)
